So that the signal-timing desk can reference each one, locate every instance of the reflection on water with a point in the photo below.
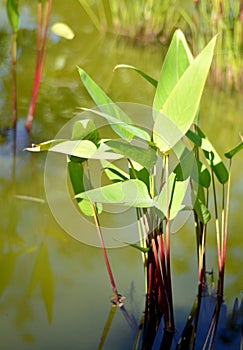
(54, 291)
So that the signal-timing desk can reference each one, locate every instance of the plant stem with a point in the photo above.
(117, 298)
(216, 223)
(171, 325)
(41, 40)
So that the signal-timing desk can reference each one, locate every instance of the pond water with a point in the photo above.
(54, 290)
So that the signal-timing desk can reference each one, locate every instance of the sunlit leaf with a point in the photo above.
(62, 30)
(113, 172)
(146, 157)
(177, 60)
(126, 127)
(44, 146)
(85, 130)
(183, 101)
(176, 194)
(144, 75)
(106, 105)
(132, 193)
(87, 207)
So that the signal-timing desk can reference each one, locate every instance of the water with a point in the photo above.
(54, 290)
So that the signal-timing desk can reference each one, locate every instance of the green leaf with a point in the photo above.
(76, 174)
(145, 156)
(44, 146)
(132, 193)
(210, 153)
(144, 75)
(87, 207)
(113, 172)
(177, 60)
(62, 30)
(190, 166)
(126, 127)
(106, 105)
(183, 101)
(140, 174)
(141, 249)
(85, 130)
(234, 151)
(80, 149)
(13, 14)
(177, 191)
(199, 206)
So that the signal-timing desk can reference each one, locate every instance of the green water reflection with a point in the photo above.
(54, 291)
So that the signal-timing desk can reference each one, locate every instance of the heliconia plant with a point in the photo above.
(150, 182)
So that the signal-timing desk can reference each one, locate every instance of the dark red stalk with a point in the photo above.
(162, 295)
(41, 40)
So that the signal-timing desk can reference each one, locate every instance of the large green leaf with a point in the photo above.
(106, 105)
(132, 193)
(140, 72)
(177, 60)
(145, 156)
(183, 101)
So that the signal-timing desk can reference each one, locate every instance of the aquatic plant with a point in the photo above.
(153, 183)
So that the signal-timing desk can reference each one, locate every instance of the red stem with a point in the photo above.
(112, 280)
(41, 40)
